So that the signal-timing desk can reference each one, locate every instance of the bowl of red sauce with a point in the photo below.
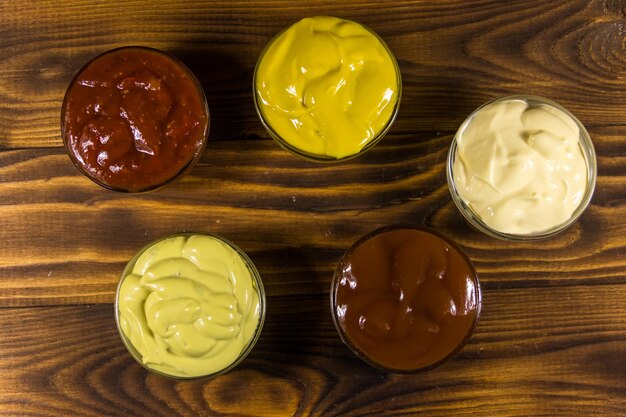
(134, 119)
(405, 299)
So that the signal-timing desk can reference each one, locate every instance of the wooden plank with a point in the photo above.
(66, 240)
(454, 55)
(542, 351)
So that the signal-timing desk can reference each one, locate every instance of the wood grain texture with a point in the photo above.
(454, 55)
(552, 334)
(525, 359)
(401, 181)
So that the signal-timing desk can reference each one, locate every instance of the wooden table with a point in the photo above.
(552, 336)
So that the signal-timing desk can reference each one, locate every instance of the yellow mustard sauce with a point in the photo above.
(327, 86)
(189, 307)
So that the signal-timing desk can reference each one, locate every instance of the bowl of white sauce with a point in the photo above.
(521, 167)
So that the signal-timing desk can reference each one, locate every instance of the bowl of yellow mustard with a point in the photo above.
(327, 89)
(190, 306)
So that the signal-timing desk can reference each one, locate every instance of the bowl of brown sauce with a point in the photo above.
(405, 299)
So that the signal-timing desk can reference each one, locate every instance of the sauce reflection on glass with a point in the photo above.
(405, 299)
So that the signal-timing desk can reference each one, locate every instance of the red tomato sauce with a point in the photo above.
(405, 299)
(134, 118)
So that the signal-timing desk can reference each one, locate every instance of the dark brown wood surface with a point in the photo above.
(552, 336)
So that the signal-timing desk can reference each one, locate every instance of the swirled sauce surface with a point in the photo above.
(134, 118)
(190, 306)
(327, 86)
(405, 298)
(519, 167)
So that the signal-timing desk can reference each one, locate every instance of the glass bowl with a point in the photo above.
(586, 148)
(405, 299)
(117, 127)
(179, 292)
(316, 157)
